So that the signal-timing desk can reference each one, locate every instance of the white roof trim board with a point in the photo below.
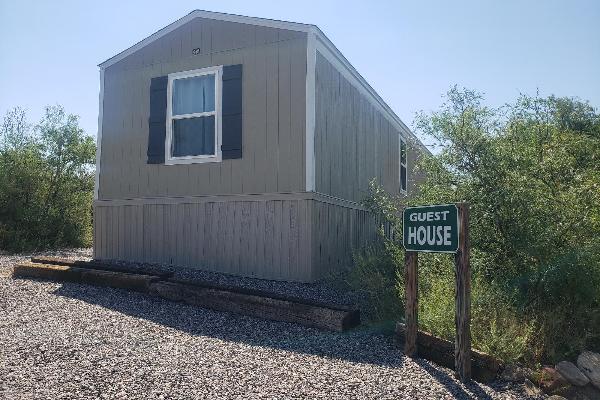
(324, 46)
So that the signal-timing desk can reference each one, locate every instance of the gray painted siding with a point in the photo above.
(264, 237)
(354, 142)
(273, 160)
(338, 230)
(295, 237)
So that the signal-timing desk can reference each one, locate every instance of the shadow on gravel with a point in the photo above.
(473, 390)
(359, 345)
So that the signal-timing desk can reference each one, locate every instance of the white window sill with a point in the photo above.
(193, 160)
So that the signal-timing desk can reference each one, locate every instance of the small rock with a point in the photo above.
(551, 380)
(589, 363)
(556, 397)
(587, 392)
(571, 373)
(531, 389)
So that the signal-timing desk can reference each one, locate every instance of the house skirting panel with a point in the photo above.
(283, 236)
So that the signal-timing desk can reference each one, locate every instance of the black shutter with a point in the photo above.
(157, 123)
(232, 112)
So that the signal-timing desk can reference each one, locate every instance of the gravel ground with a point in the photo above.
(72, 341)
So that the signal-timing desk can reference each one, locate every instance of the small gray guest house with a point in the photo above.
(243, 146)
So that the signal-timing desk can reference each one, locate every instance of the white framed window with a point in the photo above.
(402, 173)
(194, 116)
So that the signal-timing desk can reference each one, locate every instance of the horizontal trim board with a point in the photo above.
(316, 196)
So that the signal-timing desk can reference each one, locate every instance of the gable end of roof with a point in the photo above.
(324, 46)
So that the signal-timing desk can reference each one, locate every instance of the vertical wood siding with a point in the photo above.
(354, 142)
(337, 232)
(274, 62)
(260, 238)
(282, 239)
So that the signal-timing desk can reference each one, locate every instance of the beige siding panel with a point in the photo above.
(275, 233)
(125, 233)
(270, 245)
(304, 239)
(337, 232)
(283, 127)
(298, 116)
(272, 121)
(231, 35)
(256, 147)
(236, 238)
(354, 142)
(251, 232)
(210, 238)
(285, 34)
(260, 238)
(97, 232)
(273, 116)
(284, 239)
(262, 248)
(193, 234)
(111, 235)
(293, 238)
(244, 264)
(264, 35)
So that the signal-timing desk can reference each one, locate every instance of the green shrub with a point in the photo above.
(46, 182)
(376, 280)
(530, 174)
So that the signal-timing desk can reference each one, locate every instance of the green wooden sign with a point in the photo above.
(431, 228)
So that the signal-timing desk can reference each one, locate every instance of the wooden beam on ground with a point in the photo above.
(258, 306)
(441, 351)
(103, 265)
(121, 280)
(239, 300)
(259, 293)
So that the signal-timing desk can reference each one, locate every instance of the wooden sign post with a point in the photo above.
(462, 315)
(412, 303)
(439, 229)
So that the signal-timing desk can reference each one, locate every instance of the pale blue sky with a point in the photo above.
(411, 52)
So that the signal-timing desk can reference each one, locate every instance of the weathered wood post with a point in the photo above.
(462, 347)
(412, 301)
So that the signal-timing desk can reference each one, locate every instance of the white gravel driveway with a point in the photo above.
(72, 341)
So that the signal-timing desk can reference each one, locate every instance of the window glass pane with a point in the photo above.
(403, 177)
(402, 151)
(193, 136)
(194, 95)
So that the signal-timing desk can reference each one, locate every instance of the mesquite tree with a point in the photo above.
(46, 181)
